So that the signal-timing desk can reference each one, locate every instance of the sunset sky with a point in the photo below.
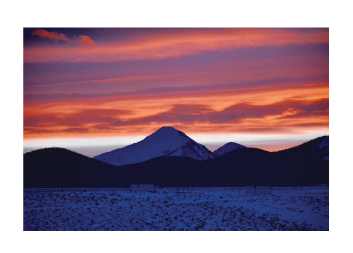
(94, 90)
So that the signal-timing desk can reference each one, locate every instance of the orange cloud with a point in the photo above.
(287, 110)
(85, 40)
(82, 39)
(50, 35)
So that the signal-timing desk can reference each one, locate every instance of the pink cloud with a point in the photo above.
(50, 35)
(82, 39)
(176, 45)
(85, 40)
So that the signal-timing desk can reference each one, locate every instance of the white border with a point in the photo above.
(336, 16)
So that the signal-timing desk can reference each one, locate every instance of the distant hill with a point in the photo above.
(241, 167)
(58, 167)
(316, 148)
(226, 148)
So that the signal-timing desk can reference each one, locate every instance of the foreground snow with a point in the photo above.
(166, 210)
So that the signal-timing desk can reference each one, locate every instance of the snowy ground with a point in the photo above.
(162, 210)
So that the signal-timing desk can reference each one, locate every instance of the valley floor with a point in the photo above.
(168, 210)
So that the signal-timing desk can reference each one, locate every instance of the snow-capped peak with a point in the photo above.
(165, 141)
(166, 132)
(228, 147)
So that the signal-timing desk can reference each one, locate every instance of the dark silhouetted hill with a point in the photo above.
(316, 148)
(248, 166)
(58, 167)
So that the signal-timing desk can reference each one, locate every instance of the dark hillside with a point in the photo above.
(58, 167)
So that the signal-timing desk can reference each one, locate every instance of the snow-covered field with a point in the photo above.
(167, 210)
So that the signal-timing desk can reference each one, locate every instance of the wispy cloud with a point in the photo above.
(54, 35)
(176, 45)
(85, 40)
(50, 35)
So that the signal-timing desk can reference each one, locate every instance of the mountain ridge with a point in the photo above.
(297, 166)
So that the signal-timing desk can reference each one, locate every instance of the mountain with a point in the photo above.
(167, 141)
(302, 165)
(58, 167)
(230, 146)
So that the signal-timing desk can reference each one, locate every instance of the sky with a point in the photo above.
(94, 90)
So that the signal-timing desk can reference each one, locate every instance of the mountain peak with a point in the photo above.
(228, 147)
(167, 128)
(233, 144)
(167, 132)
(165, 141)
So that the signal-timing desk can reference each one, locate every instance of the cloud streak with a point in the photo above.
(177, 45)
(280, 117)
